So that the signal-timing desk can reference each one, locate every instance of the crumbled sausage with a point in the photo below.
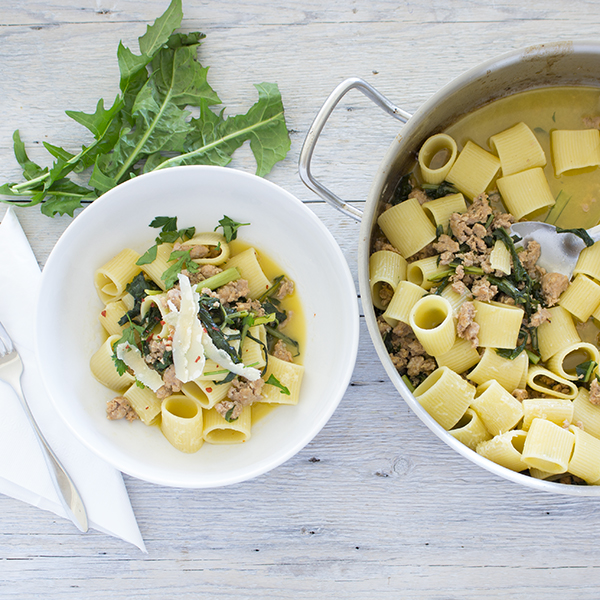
(520, 394)
(119, 407)
(446, 244)
(483, 290)
(252, 305)
(541, 315)
(595, 392)
(420, 364)
(285, 289)
(420, 195)
(241, 393)
(530, 255)
(172, 385)
(466, 327)
(232, 291)
(504, 220)
(281, 351)
(156, 349)
(553, 285)
(174, 297)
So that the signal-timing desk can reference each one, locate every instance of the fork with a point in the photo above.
(11, 368)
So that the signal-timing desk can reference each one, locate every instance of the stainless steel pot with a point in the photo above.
(555, 64)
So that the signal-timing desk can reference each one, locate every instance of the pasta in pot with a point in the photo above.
(509, 366)
(202, 336)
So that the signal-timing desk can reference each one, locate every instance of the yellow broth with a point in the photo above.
(544, 110)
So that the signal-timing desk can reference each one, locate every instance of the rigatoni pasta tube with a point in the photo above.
(421, 272)
(588, 262)
(219, 431)
(247, 264)
(445, 396)
(505, 449)
(181, 423)
(455, 299)
(386, 268)
(586, 414)
(112, 277)
(159, 265)
(405, 297)
(499, 411)
(289, 375)
(518, 149)
(110, 316)
(144, 402)
(581, 298)
(460, 358)
(473, 170)
(499, 324)
(508, 373)
(407, 227)
(436, 157)
(565, 361)
(103, 367)
(557, 410)
(585, 460)
(557, 333)
(432, 322)
(574, 149)
(470, 430)
(526, 192)
(441, 209)
(547, 382)
(548, 447)
(215, 243)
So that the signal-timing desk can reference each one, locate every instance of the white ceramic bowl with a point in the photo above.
(68, 331)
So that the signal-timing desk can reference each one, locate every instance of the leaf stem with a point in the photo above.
(180, 158)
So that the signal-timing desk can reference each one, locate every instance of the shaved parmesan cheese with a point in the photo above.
(188, 351)
(133, 358)
(222, 358)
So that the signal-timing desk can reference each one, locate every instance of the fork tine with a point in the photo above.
(6, 341)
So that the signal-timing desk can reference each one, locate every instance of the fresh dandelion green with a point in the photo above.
(148, 126)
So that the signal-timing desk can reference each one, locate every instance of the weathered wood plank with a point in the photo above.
(375, 506)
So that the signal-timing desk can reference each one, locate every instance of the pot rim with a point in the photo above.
(540, 52)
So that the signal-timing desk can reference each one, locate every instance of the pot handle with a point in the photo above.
(317, 127)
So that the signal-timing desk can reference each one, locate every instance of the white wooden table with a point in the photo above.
(375, 506)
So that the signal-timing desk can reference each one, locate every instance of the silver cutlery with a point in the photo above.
(11, 368)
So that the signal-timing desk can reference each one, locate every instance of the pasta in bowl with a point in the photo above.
(276, 226)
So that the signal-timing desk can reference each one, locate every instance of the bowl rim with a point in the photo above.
(115, 456)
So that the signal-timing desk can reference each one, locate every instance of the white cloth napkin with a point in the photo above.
(23, 471)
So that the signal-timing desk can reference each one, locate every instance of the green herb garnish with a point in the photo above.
(275, 382)
(230, 227)
(183, 260)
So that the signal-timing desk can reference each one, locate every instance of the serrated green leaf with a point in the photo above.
(180, 77)
(99, 180)
(64, 205)
(30, 169)
(58, 152)
(99, 121)
(214, 139)
(158, 34)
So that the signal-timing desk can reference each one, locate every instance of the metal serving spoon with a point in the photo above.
(560, 251)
